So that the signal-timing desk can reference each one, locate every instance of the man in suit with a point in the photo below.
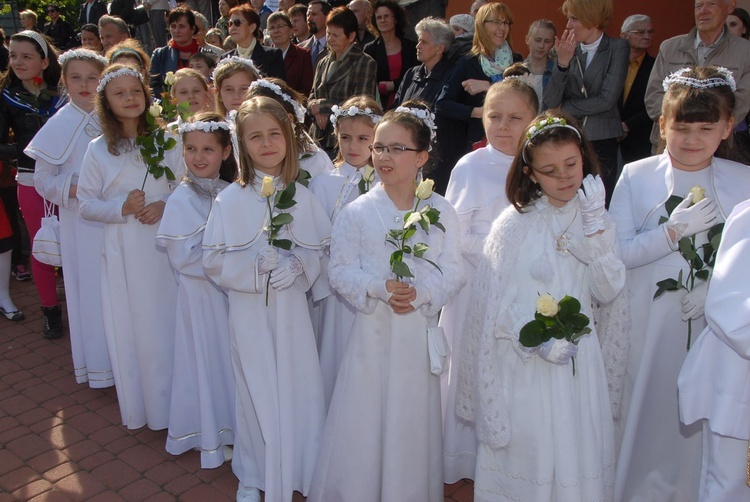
(91, 11)
(638, 30)
(317, 11)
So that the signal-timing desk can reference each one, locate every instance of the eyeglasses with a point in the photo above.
(497, 22)
(278, 27)
(236, 22)
(391, 149)
(640, 33)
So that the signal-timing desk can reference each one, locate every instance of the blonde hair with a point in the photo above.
(523, 89)
(592, 13)
(189, 73)
(266, 106)
(482, 42)
(227, 70)
(29, 14)
(130, 48)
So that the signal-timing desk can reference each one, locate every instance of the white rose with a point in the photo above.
(267, 189)
(155, 110)
(424, 190)
(412, 219)
(547, 305)
(368, 174)
(169, 78)
(698, 193)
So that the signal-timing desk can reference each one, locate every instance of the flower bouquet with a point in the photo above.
(282, 199)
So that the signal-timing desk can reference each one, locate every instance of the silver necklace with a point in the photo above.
(562, 241)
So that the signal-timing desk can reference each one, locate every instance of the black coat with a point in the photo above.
(98, 9)
(269, 60)
(637, 144)
(61, 33)
(418, 84)
(376, 50)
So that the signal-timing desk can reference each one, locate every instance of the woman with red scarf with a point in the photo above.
(177, 52)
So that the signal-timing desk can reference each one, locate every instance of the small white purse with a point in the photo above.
(46, 246)
(438, 349)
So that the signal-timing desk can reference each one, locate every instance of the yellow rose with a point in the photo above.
(368, 174)
(155, 110)
(547, 305)
(169, 78)
(698, 193)
(267, 189)
(424, 190)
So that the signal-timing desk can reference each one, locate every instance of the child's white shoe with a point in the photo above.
(248, 495)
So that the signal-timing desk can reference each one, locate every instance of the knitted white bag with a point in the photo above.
(46, 246)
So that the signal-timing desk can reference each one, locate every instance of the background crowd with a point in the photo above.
(321, 54)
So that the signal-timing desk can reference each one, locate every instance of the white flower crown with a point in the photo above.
(425, 116)
(233, 59)
(679, 77)
(352, 111)
(81, 54)
(545, 125)
(200, 125)
(125, 70)
(299, 110)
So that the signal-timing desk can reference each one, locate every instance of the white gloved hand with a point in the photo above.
(557, 351)
(694, 301)
(284, 275)
(268, 259)
(687, 220)
(591, 198)
(377, 289)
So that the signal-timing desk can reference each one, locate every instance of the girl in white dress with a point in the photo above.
(203, 391)
(545, 431)
(312, 159)
(280, 410)
(477, 191)
(383, 435)
(190, 86)
(354, 127)
(232, 78)
(139, 292)
(58, 149)
(660, 458)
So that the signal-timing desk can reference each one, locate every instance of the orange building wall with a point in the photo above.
(670, 17)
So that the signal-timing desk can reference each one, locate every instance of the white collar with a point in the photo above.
(593, 46)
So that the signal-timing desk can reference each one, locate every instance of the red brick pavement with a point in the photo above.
(62, 441)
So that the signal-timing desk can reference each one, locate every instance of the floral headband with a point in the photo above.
(679, 77)
(81, 54)
(233, 59)
(352, 111)
(545, 125)
(200, 125)
(299, 110)
(36, 37)
(121, 72)
(425, 116)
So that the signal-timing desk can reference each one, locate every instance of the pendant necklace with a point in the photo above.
(562, 241)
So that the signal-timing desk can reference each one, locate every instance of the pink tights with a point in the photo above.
(32, 207)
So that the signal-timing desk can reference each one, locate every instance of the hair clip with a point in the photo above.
(679, 77)
(36, 37)
(200, 125)
(81, 54)
(425, 116)
(233, 59)
(121, 72)
(299, 110)
(352, 111)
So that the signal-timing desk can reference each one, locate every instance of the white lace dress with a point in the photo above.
(545, 434)
(382, 439)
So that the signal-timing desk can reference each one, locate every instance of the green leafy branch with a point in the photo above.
(282, 200)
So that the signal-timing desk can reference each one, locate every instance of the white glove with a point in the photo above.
(694, 302)
(557, 351)
(591, 198)
(687, 220)
(268, 259)
(284, 275)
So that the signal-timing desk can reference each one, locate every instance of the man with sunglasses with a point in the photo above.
(57, 29)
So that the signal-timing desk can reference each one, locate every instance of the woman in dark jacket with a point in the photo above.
(393, 53)
(244, 28)
(462, 98)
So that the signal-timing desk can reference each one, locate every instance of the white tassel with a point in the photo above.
(541, 269)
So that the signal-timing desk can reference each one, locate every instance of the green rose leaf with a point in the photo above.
(420, 249)
(533, 334)
(672, 203)
(282, 219)
(568, 306)
(401, 269)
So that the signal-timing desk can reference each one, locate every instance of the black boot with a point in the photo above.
(53, 327)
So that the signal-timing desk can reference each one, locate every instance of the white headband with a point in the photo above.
(202, 126)
(352, 111)
(81, 54)
(299, 110)
(679, 77)
(425, 116)
(36, 37)
(233, 59)
(545, 125)
(125, 70)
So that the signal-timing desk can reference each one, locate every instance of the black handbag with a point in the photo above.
(140, 15)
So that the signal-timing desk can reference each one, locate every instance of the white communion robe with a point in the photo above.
(659, 457)
(58, 149)
(139, 292)
(477, 191)
(383, 435)
(544, 433)
(715, 380)
(202, 410)
(280, 408)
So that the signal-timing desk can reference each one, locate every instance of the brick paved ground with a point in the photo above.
(63, 441)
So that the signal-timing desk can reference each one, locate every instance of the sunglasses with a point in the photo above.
(236, 22)
(50, 11)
